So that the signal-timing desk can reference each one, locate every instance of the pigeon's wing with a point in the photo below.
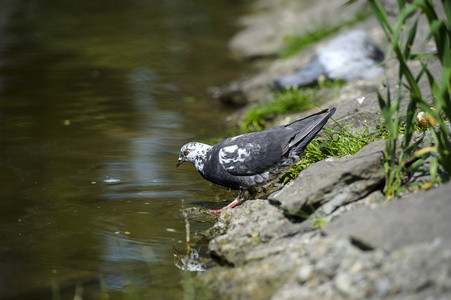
(307, 128)
(253, 153)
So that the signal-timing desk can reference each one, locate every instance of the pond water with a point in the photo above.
(96, 99)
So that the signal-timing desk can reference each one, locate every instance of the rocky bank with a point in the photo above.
(370, 248)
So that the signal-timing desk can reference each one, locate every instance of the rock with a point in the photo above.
(350, 56)
(372, 200)
(253, 223)
(398, 251)
(334, 182)
(413, 219)
(265, 31)
(255, 88)
(369, 250)
(331, 267)
(416, 272)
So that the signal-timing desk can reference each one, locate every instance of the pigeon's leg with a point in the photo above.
(238, 200)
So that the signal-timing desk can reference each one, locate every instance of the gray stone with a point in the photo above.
(334, 182)
(372, 200)
(413, 219)
(255, 88)
(403, 274)
(264, 31)
(369, 250)
(330, 267)
(253, 223)
(267, 256)
(350, 56)
(267, 265)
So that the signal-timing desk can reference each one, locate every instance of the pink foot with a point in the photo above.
(232, 205)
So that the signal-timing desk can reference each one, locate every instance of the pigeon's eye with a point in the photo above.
(185, 153)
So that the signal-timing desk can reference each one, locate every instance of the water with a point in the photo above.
(93, 112)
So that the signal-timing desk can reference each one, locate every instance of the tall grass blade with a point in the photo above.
(381, 16)
(410, 39)
(447, 8)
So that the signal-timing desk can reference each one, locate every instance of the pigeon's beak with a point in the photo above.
(180, 161)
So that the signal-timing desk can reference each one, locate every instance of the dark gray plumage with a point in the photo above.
(350, 56)
(255, 159)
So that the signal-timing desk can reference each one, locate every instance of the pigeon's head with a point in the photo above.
(193, 152)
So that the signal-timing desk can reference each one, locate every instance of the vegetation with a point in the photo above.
(287, 101)
(291, 100)
(337, 143)
(404, 158)
(318, 222)
(402, 155)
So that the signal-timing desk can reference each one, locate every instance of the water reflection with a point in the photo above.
(89, 92)
(190, 262)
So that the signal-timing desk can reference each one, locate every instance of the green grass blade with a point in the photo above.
(381, 16)
(410, 38)
(447, 8)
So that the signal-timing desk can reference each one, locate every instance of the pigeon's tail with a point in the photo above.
(308, 75)
(308, 128)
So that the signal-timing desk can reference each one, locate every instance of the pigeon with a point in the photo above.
(251, 160)
(348, 57)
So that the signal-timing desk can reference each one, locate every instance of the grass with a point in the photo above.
(401, 154)
(317, 221)
(297, 43)
(287, 101)
(254, 119)
(403, 158)
(337, 143)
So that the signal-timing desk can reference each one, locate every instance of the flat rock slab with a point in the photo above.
(314, 266)
(332, 183)
(414, 219)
